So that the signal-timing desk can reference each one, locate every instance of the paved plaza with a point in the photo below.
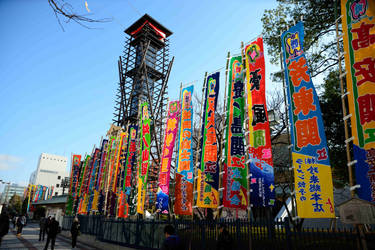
(30, 240)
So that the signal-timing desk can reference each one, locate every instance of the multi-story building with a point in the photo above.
(10, 190)
(51, 170)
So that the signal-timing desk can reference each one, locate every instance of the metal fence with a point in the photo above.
(202, 234)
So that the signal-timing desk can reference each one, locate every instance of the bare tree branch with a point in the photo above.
(63, 9)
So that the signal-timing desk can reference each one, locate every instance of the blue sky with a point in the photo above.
(57, 88)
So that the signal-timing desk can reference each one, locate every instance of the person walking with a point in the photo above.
(52, 231)
(225, 240)
(42, 228)
(172, 241)
(74, 230)
(14, 221)
(4, 223)
(20, 224)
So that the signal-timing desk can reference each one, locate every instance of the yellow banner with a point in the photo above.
(141, 196)
(312, 200)
(358, 25)
(359, 45)
(209, 196)
(95, 201)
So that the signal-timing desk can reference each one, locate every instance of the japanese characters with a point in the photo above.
(312, 171)
(208, 174)
(235, 169)
(260, 152)
(144, 158)
(359, 44)
(185, 166)
(171, 130)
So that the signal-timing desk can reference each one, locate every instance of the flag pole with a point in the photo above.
(198, 144)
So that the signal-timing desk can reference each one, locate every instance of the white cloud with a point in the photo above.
(8, 162)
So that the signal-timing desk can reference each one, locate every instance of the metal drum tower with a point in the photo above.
(144, 69)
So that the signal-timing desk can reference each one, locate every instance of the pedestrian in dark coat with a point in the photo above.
(172, 241)
(21, 222)
(225, 240)
(4, 224)
(42, 228)
(52, 231)
(74, 230)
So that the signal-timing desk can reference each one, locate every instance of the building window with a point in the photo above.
(57, 185)
(59, 177)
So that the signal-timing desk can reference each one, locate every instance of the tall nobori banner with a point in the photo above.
(312, 170)
(130, 164)
(208, 174)
(183, 204)
(92, 179)
(103, 156)
(262, 183)
(235, 170)
(359, 44)
(144, 161)
(171, 130)
(118, 166)
(83, 173)
(76, 161)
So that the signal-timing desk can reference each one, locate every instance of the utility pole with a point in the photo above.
(64, 183)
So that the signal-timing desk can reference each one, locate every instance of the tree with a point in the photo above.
(321, 52)
(65, 10)
(15, 204)
(334, 127)
(319, 22)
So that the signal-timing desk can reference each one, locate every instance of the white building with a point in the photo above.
(50, 171)
(10, 190)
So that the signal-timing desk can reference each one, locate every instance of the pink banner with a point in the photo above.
(169, 141)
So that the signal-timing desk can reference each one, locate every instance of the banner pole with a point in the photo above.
(176, 149)
(344, 111)
(222, 132)
(292, 199)
(199, 143)
(245, 129)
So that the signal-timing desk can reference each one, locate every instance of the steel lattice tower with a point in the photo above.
(144, 69)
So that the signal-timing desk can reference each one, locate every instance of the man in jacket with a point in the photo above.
(75, 231)
(172, 241)
(42, 228)
(4, 223)
(52, 231)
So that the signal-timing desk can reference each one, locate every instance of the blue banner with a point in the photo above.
(208, 173)
(312, 170)
(185, 164)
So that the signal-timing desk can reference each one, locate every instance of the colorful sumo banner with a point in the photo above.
(359, 44)
(130, 165)
(93, 176)
(82, 176)
(171, 130)
(119, 159)
(208, 174)
(312, 170)
(74, 172)
(235, 170)
(144, 158)
(262, 184)
(185, 166)
(103, 156)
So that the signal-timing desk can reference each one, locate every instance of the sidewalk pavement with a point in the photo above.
(30, 240)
